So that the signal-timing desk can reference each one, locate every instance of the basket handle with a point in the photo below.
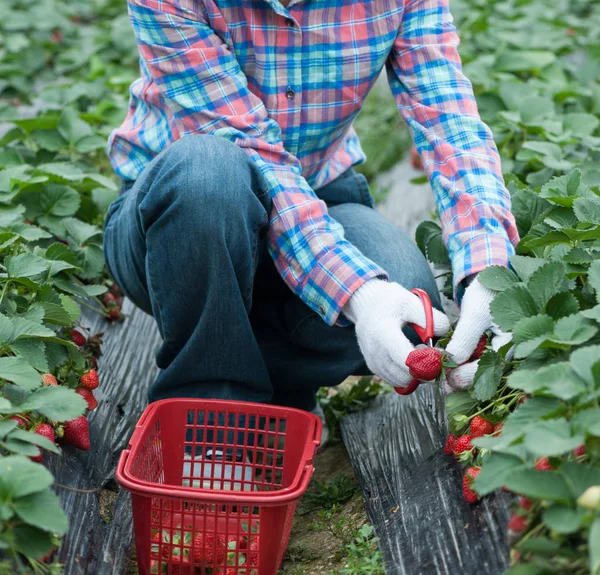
(307, 474)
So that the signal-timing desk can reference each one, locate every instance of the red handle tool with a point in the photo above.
(425, 333)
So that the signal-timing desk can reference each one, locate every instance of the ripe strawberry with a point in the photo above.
(479, 349)
(21, 421)
(480, 427)
(542, 464)
(88, 395)
(525, 502)
(468, 493)
(108, 299)
(49, 379)
(254, 548)
(579, 451)
(46, 431)
(517, 523)
(77, 433)
(424, 363)
(449, 446)
(415, 159)
(114, 314)
(463, 443)
(78, 338)
(89, 379)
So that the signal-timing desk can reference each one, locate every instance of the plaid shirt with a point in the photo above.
(285, 84)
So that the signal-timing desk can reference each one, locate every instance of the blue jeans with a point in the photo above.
(187, 243)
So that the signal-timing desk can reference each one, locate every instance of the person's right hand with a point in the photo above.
(379, 310)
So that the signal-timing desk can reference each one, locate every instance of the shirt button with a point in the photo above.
(321, 310)
(290, 93)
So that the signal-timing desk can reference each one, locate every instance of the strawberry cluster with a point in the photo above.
(113, 301)
(224, 554)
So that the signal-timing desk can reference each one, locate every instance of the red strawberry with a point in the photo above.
(49, 379)
(525, 502)
(78, 338)
(415, 159)
(463, 443)
(480, 427)
(89, 379)
(21, 421)
(108, 299)
(468, 493)
(46, 431)
(517, 523)
(114, 314)
(77, 433)
(479, 349)
(254, 547)
(449, 446)
(424, 363)
(542, 464)
(88, 395)
(579, 451)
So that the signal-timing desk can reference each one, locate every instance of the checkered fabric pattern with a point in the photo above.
(285, 84)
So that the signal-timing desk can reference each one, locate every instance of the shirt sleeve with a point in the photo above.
(457, 149)
(202, 82)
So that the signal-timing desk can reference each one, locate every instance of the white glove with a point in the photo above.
(475, 318)
(380, 310)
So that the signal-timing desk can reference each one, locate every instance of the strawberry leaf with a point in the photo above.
(509, 306)
(488, 375)
(539, 485)
(497, 278)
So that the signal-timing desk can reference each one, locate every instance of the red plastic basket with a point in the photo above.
(214, 484)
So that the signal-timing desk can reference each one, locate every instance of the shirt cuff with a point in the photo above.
(479, 253)
(337, 275)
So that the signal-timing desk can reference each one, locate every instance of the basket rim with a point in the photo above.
(287, 494)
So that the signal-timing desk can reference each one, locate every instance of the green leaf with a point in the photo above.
(594, 278)
(539, 545)
(56, 314)
(497, 466)
(530, 332)
(488, 375)
(573, 330)
(497, 278)
(33, 351)
(18, 371)
(92, 261)
(581, 124)
(429, 239)
(579, 476)
(58, 251)
(523, 60)
(80, 231)
(539, 485)
(459, 403)
(20, 477)
(587, 210)
(49, 140)
(19, 447)
(594, 547)
(527, 206)
(547, 281)
(562, 519)
(557, 379)
(32, 542)
(509, 306)
(71, 306)
(35, 439)
(551, 438)
(593, 313)
(562, 190)
(57, 403)
(26, 265)
(583, 360)
(525, 266)
(59, 200)
(562, 304)
(526, 569)
(42, 510)
(72, 128)
(535, 108)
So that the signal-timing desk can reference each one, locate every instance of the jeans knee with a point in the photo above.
(203, 183)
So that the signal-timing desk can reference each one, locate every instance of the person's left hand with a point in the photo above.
(474, 320)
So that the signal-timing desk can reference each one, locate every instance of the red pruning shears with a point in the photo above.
(426, 335)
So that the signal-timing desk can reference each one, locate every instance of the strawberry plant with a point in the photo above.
(530, 423)
(64, 70)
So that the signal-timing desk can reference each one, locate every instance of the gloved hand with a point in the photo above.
(475, 318)
(380, 310)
